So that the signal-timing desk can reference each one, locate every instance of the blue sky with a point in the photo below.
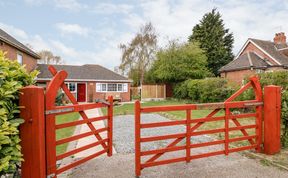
(90, 31)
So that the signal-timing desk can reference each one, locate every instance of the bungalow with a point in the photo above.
(17, 51)
(257, 56)
(89, 82)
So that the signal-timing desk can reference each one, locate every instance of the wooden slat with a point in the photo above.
(162, 150)
(196, 145)
(231, 150)
(242, 127)
(74, 123)
(207, 154)
(203, 132)
(76, 137)
(167, 161)
(162, 124)
(86, 147)
(162, 137)
(242, 138)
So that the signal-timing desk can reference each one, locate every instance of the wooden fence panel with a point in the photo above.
(153, 92)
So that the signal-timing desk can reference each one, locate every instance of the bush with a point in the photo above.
(12, 78)
(204, 90)
(279, 78)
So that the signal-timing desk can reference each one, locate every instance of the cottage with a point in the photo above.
(17, 51)
(257, 56)
(89, 82)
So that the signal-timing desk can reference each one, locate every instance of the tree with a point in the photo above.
(137, 55)
(47, 57)
(177, 63)
(214, 39)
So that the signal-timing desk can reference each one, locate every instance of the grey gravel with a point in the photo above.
(123, 133)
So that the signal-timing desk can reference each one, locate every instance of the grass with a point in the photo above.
(66, 132)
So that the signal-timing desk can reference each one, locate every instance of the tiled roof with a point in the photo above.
(271, 49)
(85, 72)
(245, 61)
(5, 37)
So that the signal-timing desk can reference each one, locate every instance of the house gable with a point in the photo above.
(251, 46)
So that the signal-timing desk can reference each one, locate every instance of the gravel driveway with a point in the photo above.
(123, 133)
(121, 165)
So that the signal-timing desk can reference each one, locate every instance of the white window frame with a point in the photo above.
(99, 87)
(20, 61)
(68, 86)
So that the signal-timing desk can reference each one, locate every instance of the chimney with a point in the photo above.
(280, 38)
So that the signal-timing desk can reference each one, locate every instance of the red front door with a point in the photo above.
(81, 92)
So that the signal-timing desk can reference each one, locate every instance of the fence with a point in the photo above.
(272, 117)
(153, 92)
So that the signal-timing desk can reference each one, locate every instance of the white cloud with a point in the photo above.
(16, 32)
(34, 2)
(72, 29)
(109, 8)
(72, 5)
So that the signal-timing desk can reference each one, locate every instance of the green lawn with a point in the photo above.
(66, 132)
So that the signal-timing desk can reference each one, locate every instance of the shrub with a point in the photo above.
(13, 77)
(204, 90)
(279, 78)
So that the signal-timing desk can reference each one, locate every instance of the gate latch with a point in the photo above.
(56, 111)
(102, 101)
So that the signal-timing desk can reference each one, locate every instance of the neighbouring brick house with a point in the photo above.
(257, 56)
(89, 82)
(17, 51)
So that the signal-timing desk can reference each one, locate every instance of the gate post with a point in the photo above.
(137, 138)
(32, 132)
(110, 126)
(272, 119)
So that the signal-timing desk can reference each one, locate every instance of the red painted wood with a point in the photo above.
(86, 147)
(32, 132)
(110, 126)
(81, 92)
(137, 139)
(272, 117)
(77, 137)
(79, 122)
(191, 129)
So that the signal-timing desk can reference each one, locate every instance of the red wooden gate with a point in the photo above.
(52, 111)
(193, 124)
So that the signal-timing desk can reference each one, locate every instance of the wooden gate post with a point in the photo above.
(32, 132)
(272, 119)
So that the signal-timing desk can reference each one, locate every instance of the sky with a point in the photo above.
(90, 31)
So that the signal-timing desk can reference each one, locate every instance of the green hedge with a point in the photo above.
(204, 90)
(12, 78)
(279, 78)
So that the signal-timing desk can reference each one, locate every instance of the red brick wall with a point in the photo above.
(92, 94)
(28, 60)
(250, 47)
(237, 76)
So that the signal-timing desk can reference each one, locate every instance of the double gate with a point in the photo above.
(38, 133)
(192, 125)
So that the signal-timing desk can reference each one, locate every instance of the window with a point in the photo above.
(71, 86)
(120, 87)
(20, 59)
(103, 87)
(112, 87)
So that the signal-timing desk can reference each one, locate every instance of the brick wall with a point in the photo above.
(28, 60)
(237, 76)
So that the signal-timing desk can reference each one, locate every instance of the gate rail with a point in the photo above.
(193, 124)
